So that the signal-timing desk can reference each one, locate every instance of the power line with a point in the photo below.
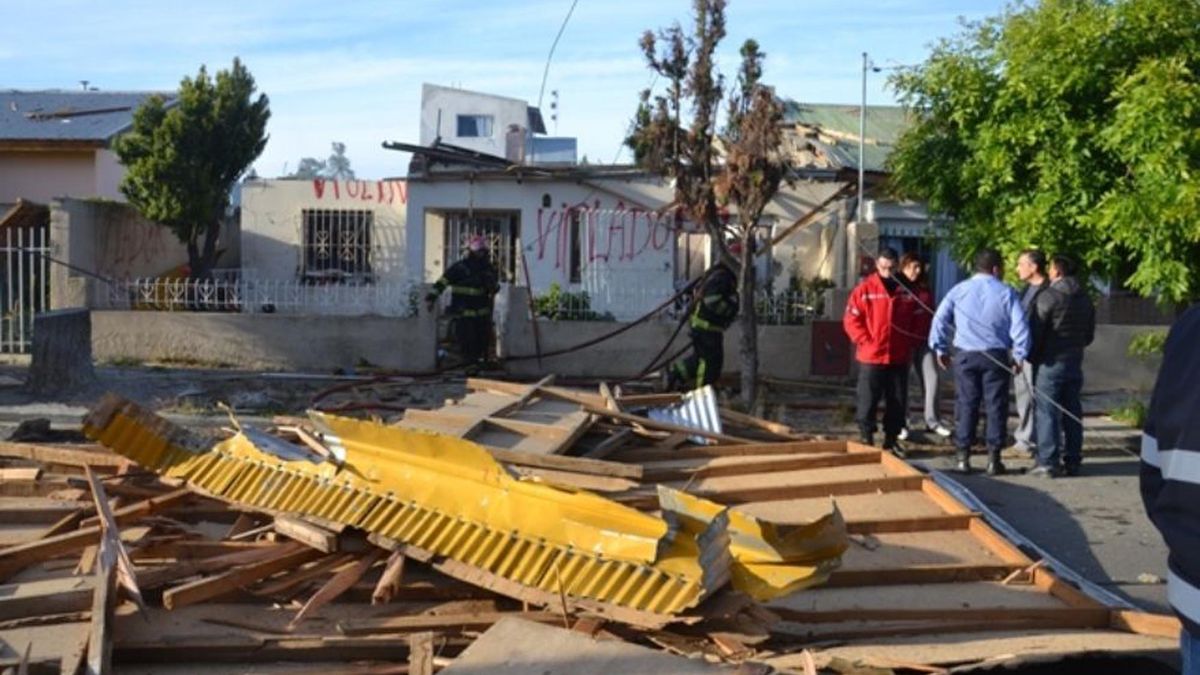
(546, 70)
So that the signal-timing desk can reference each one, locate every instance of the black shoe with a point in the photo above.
(866, 439)
(1044, 471)
(896, 449)
(1072, 469)
(996, 468)
(964, 464)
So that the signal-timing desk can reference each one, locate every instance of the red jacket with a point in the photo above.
(881, 324)
(921, 309)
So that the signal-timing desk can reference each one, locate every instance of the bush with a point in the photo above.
(560, 305)
(1147, 345)
(1132, 413)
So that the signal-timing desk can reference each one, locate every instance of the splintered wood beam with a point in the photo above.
(16, 558)
(594, 467)
(309, 534)
(420, 653)
(100, 642)
(289, 556)
(780, 431)
(444, 622)
(161, 576)
(95, 456)
(389, 581)
(340, 583)
(110, 542)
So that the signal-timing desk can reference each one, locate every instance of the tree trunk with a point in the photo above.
(203, 258)
(748, 321)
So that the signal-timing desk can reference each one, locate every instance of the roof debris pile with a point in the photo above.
(330, 539)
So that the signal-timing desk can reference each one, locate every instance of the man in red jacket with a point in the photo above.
(882, 327)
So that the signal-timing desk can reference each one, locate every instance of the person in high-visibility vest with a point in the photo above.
(472, 282)
(715, 309)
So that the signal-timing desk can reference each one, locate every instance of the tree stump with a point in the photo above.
(62, 352)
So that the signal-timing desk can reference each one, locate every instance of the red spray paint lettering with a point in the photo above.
(380, 191)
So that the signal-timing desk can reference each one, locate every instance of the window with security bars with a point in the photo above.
(501, 230)
(337, 245)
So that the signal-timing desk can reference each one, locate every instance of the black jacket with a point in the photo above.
(1064, 323)
(472, 281)
(717, 305)
(1170, 468)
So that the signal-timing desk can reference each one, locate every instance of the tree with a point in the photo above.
(1071, 125)
(676, 134)
(182, 160)
(337, 166)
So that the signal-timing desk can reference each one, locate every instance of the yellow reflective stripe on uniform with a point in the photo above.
(700, 370)
(701, 324)
(475, 312)
(467, 290)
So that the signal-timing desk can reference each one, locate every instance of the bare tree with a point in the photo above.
(676, 134)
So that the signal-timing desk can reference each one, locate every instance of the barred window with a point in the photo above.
(337, 244)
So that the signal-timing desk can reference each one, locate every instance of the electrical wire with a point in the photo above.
(553, 46)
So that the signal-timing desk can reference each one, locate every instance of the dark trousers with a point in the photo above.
(473, 334)
(1058, 435)
(889, 383)
(978, 378)
(703, 366)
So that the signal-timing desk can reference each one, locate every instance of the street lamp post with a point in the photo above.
(862, 138)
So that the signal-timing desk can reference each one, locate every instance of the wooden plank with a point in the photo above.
(516, 389)
(390, 580)
(1144, 623)
(671, 471)
(46, 596)
(161, 576)
(104, 600)
(595, 467)
(93, 455)
(942, 498)
(712, 451)
(44, 513)
(1002, 547)
(26, 473)
(15, 558)
(444, 622)
(420, 653)
(663, 426)
(340, 583)
(751, 494)
(306, 533)
(292, 580)
(1050, 583)
(1060, 617)
(610, 445)
(950, 521)
(290, 556)
(925, 574)
(110, 542)
(780, 431)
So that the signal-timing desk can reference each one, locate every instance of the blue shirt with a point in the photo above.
(984, 313)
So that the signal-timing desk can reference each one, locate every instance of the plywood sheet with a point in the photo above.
(961, 595)
(918, 549)
(854, 508)
(839, 474)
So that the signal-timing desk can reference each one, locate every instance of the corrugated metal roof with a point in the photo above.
(697, 409)
(60, 115)
(885, 124)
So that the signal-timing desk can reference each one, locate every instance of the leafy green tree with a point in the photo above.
(1071, 125)
(182, 160)
(677, 133)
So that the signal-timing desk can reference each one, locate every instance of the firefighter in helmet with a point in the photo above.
(716, 307)
(473, 282)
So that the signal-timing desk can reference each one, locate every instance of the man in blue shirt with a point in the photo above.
(988, 323)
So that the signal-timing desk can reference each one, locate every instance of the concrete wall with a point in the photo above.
(1107, 364)
(449, 103)
(627, 257)
(109, 174)
(271, 223)
(268, 342)
(108, 239)
(784, 351)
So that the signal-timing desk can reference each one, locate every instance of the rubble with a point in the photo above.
(326, 540)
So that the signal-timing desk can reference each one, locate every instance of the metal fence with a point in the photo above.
(230, 293)
(26, 281)
(625, 304)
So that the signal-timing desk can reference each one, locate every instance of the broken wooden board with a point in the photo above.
(514, 646)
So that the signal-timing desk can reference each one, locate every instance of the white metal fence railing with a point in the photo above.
(234, 294)
(782, 308)
(26, 282)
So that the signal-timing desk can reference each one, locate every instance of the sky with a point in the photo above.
(351, 71)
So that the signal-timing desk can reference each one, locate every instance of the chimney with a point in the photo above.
(514, 144)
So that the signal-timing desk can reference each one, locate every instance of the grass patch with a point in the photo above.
(1132, 414)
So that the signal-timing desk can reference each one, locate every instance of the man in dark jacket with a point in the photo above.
(1170, 475)
(472, 282)
(883, 328)
(1031, 269)
(1067, 325)
(716, 307)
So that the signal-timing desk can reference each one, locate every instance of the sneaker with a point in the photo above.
(903, 434)
(1044, 471)
(941, 430)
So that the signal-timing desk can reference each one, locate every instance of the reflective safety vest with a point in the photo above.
(717, 306)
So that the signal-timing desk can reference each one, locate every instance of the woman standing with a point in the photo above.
(916, 279)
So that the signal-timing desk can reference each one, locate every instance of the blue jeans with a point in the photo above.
(1058, 435)
(1189, 650)
(978, 378)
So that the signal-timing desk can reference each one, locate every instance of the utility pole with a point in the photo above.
(862, 139)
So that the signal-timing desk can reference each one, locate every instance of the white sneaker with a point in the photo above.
(941, 430)
(903, 435)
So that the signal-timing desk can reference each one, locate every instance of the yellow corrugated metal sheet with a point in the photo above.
(447, 496)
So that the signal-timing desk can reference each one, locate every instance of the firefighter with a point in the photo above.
(715, 309)
(473, 281)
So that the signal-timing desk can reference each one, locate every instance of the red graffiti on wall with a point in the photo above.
(378, 191)
(613, 235)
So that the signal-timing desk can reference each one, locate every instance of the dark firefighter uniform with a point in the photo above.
(472, 282)
(715, 310)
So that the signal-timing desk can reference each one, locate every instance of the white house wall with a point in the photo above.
(441, 106)
(627, 255)
(42, 176)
